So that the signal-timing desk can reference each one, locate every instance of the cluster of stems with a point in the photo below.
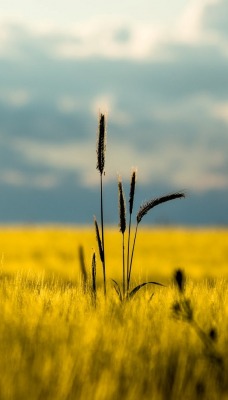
(143, 210)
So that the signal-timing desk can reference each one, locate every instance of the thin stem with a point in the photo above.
(128, 249)
(94, 287)
(132, 255)
(123, 269)
(102, 232)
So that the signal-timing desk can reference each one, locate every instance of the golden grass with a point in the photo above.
(56, 345)
(54, 250)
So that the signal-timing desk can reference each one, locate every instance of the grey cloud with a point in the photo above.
(27, 45)
(215, 17)
(170, 104)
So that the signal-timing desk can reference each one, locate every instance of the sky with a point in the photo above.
(159, 72)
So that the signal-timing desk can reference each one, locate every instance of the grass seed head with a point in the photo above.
(213, 334)
(179, 278)
(101, 143)
(132, 190)
(122, 209)
(146, 207)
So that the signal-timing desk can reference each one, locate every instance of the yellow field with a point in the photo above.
(54, 250)
(56, 345)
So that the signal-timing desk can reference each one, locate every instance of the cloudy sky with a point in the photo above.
(158, 70)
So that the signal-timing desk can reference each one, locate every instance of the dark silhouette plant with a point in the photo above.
(183, 310)
(125, 292)
(101, 148)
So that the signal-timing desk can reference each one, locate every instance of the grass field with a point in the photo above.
(55, 344)
(54, 250)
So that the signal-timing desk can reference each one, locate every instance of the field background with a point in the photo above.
(55, 344)
(53, 251)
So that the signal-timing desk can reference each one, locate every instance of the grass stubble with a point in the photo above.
(55, 344)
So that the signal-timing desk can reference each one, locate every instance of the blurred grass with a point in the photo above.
(55, 345)
(54, 251)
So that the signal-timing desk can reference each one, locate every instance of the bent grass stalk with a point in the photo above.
(144, 209)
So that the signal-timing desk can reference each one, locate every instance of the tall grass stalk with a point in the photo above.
(143, 210)
(131, 203)
(99, 242)
(83, 267)
(101, 148)
(122, 224)
(94, 286)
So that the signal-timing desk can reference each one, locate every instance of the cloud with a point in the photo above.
(114, 37)
(165, 92)
(15, 97)
(108, 104)
(196, 167)
(221, 111)
(18, 178)
(215, 18)
(110, 38)
(68, 104)
(68, 157)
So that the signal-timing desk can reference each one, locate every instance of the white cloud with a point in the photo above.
(221, 111)
(93, 37)
(71, 12)
(13, 177)
(98, 38)
(192, 108)
(18, 178)
(194, 166)
(107, 104)
(189, 29)
(112, 35)
(192, 30)
(68, 157)
(16, 97)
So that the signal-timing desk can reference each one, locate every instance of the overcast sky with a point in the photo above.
(159, 69)
(69, 12)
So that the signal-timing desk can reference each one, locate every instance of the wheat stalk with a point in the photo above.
(94, 287)
(99, 242)
(82, 266)
(131, 203)
(122, 224)
(101, 148)
(144, 209)
(101, 144)
(147, 206)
